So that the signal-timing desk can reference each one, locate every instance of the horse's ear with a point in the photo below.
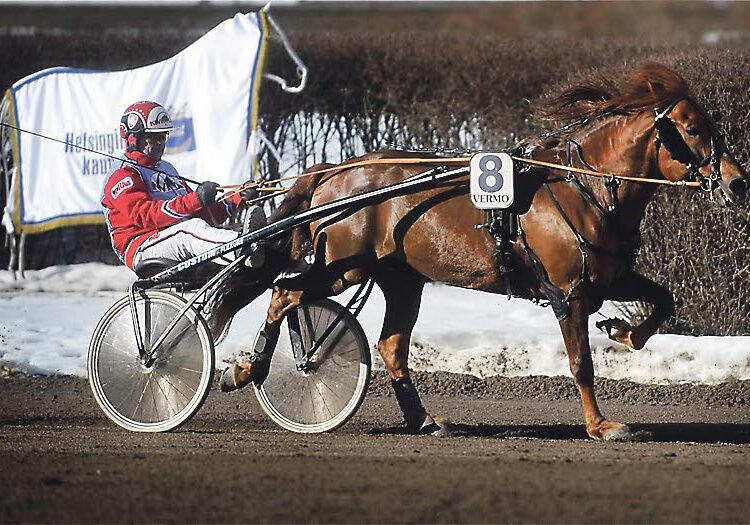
(655, 88)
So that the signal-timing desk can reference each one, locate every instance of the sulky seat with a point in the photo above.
(190, 279)
(150, 267)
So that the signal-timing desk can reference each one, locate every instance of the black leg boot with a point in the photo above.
(237, 376)
(417, 419)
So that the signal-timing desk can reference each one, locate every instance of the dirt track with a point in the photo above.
(513, 459)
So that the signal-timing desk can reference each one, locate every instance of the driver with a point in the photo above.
(151, 212)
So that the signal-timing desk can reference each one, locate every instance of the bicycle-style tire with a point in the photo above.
(332, 390)
(166, 394)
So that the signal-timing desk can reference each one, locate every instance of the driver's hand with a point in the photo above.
(207, 193)
(249, 194)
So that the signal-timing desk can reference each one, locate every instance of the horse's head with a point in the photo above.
(690, 147)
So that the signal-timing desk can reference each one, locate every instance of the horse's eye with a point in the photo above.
(693, 131)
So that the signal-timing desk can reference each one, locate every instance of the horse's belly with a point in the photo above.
(443, 244)
(432, 231)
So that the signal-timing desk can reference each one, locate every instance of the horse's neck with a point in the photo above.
(622, 145)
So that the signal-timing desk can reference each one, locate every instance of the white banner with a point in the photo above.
(210, 90)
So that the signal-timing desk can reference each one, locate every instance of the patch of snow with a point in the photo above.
(46, 321)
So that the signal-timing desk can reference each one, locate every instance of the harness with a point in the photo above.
(668, 135)
(505, 227)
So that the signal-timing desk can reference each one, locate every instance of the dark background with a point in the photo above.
(655, 19)
(418, 73)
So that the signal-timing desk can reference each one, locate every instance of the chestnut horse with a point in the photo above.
(576, 244)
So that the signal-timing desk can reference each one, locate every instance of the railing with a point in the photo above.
(7, 173)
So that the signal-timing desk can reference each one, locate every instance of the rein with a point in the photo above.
(667, 135)
(465, 161)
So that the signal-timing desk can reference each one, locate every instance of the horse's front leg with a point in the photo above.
(575, 333)
(634, 287)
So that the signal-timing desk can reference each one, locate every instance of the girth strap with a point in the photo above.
(502, 225)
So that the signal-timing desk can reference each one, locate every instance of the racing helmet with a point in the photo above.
(141, 118)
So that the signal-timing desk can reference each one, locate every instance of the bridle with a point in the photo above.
(669, 136)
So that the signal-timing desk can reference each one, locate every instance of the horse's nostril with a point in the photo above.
(738, 187)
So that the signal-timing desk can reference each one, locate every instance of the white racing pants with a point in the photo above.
(184, 240)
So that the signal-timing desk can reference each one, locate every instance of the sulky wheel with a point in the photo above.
(323, 393)
(157, 396)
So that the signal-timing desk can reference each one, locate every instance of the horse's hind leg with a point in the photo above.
(403, 294)
(255, 369)
(288, 295)
(634, 287)
(575, 333)
(236, 293)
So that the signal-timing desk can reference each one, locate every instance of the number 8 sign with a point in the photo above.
(491, 180)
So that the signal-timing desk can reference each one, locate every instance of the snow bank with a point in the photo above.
(46, 321)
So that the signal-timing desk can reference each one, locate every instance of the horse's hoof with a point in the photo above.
(620, 331)
(230, 379)
(611, 431)
(619, 433)
(253, 370)
(437, 426)
(615, 328)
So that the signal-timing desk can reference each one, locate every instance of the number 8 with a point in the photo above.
(494, 172)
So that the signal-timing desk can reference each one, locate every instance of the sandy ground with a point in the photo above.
(519, 454)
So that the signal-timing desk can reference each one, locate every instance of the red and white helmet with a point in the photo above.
(143, 117)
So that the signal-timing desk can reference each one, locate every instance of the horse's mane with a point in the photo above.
(651, 85)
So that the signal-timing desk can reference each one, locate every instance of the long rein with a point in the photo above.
(441, 161)
(662, 123)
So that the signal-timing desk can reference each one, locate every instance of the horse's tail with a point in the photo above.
(293, 248)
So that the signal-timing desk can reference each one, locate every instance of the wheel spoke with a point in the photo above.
(322, 398)
(328, 394)
(175, 387)
(172, 410)
(133, 391)
(152, 399)
(312, 403)
(119, 379)
(140, 400)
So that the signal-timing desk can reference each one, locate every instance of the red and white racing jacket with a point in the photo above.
(141, 200)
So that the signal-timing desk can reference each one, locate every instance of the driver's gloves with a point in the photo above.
(206, 192)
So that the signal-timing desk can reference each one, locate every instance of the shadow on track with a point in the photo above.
(655, 432)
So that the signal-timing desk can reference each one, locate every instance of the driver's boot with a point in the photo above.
(255, 218)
